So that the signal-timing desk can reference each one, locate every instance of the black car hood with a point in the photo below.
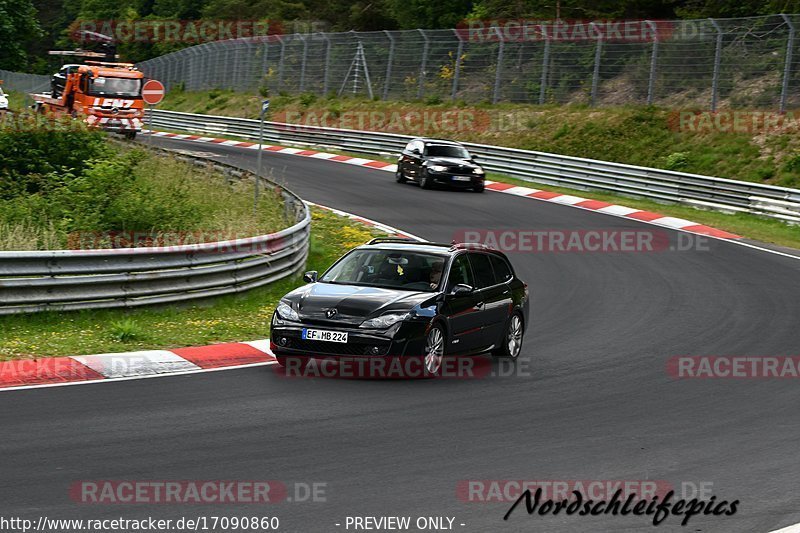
(453, 161)
(353, 303)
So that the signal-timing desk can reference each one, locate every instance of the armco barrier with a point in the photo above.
(577, 173)
(128, 277)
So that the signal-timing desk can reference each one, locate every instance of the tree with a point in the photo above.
(18, 25)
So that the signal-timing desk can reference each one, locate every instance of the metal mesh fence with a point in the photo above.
(745, 62)
(708, 63)
(24, 83)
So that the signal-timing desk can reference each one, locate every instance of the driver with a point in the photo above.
(436, 273)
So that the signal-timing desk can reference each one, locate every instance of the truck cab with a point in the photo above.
(105, 95)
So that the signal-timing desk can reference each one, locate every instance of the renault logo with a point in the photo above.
(330, 313)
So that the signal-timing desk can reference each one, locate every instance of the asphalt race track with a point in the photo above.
(592, 399)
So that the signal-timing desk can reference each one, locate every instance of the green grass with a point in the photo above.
(226, 319)
(17, 100)
(164, 197)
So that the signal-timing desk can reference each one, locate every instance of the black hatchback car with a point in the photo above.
(401, 298)
(434, 161)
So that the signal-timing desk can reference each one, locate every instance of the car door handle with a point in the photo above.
(479, 305)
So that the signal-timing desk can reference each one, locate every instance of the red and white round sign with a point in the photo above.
(153, 92)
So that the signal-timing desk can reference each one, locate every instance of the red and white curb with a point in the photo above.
(55, 371)
(392, 231)
(606, 208)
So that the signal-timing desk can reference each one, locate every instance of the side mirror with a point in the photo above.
(311, 276)
(461, 289)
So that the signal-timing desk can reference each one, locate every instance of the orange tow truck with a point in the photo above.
(107, 95)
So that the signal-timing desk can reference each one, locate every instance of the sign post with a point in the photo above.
(152, 93)
(264, 109)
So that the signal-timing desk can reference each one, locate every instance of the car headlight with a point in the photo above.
(384, 321)
(478, 171)
(438, 168)
(286, 312)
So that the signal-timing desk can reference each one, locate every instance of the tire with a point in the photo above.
(434, 350)
(399, 175)
(512, 338)
(424, 181)
(479, 188)
(130, 135)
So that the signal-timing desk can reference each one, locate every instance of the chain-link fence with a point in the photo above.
(24, 83)
(708, 63)
(744, 62)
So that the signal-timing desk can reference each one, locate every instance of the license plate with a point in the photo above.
(462, 178)
(324, 335)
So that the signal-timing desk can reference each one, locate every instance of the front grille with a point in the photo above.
(337, 348)
(460, 170)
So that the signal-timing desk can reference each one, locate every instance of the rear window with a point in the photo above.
(502, 271)
(446, 150)
(482, 268)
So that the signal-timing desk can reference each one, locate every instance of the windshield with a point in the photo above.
(391, 269)
(115, 86)
(447, 150)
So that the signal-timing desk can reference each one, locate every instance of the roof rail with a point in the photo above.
(452, 246)
(378, 240)
(469, 246)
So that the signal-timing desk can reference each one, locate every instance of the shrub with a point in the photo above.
(676, 161)
(125, 330)
(433, 99)
(306, 99)
(38, 155)
(793, 165)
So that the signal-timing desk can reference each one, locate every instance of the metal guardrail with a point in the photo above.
(705, 192)
(65, 280)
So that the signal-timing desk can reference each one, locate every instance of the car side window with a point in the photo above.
(502, 272)
(482, 268)
(460, 272)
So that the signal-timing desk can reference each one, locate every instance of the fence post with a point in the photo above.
(423, 65)
(264, 64)
(388, 79)
(717, 61)
(545, 65)
(236, 74)
(457, 69)
(205, 67)
(280, 62)
(327, 63)
(498, 73)
(303, 66)
(651, 84)
(787, 68)
(597, 55)
(191, 84)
